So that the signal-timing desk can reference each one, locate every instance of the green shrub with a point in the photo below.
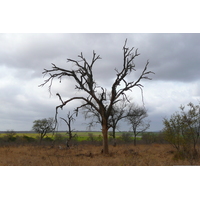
(127, 137)
(91, 137)
(160, 138)
(99, 138)
(10, 136)
(148, 137)
(75, 137)
(59, 137)
(81, 138)
(28, 138)
(48, 139)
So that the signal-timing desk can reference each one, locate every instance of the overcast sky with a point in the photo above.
(173, 57)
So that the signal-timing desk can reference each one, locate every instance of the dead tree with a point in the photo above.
(85, 81)
(69, 120)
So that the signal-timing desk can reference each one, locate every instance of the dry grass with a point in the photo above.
(89, 155)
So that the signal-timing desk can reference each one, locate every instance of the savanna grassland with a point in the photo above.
(23, 150)
(90, 155)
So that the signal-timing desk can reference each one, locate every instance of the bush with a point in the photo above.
(127, 137)
(28, 138)
(48, 139)
(148, 138)
(160, 138)
(59, 137)
(182, 131)
(99, 138)
(91, 137)
(10, 136)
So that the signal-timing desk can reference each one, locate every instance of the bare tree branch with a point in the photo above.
(99, 102)
(70, 119)
(128, 67)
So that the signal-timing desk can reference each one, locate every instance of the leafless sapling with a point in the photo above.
(69, 120)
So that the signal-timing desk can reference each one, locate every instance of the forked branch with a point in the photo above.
(98, 101)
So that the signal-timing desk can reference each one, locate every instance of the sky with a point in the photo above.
(173, 57)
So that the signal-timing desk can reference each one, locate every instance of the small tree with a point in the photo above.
(182, 130)
(173, 130)
(97, 96)
(69, 120)
(136, 118)
(11, 135)
(43, 126)
(118, 113)
(191, 120)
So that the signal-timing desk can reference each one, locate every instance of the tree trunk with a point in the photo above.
(41, 137)
(135, 135)
(105, 139)
(134, 140)
(114, 138)
(67, 143)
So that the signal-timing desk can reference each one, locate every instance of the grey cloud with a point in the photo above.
(173, 57)
(31, 53)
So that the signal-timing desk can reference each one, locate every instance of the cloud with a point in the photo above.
(173, 57)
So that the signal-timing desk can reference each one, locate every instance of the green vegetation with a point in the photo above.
(61, 137)
(43, 126)
(182, 131)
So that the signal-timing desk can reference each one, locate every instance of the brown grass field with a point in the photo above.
(90, 155)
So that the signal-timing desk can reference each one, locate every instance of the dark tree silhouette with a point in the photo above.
(85, 81)
(69, 120)
(135, 118)
(43, 126)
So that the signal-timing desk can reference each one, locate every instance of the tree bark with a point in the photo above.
(114, 138)
(134, 140)
(135, 135)
(105, 139)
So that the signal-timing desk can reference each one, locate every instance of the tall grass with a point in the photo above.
(90, 155)
(85, 150)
